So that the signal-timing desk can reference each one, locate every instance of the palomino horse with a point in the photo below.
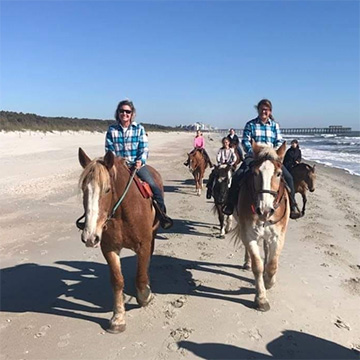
(132, 224)
(222, 182)
(263, 214)
(304, 179)
(198, 164)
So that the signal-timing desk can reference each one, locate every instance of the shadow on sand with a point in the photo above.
(290, 345)
(81, 289)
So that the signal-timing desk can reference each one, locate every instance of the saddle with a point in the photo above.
(144, 188)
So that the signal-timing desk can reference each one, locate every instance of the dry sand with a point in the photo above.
(56, 296)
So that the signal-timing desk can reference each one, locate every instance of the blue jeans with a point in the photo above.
(145, 175)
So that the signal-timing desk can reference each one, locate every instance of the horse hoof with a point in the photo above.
(262, 305)
(116, 329)
(247, 267)
(143, 298)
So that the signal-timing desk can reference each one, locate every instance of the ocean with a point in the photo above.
(338, 151)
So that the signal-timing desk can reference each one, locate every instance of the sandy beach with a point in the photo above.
(56, 298)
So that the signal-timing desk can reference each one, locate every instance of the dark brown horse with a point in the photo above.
(239, 156)
(304, 179)
(133, 224)
(198, 164)
(220, 190)
(263, 214)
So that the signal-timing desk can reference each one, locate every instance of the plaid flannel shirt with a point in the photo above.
(268, 134)
(131, 144)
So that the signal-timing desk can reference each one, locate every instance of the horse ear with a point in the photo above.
(83, 158)
(281, 151)
(313, 168)
(109, 159)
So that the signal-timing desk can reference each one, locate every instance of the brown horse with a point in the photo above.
(263, 214)
(304, 179)
(198, 164)
(132, 224)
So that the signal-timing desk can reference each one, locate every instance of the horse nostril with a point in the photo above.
(258, 211)
(97, 239)
(271, 212)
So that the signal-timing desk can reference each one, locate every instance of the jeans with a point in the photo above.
(145, 175)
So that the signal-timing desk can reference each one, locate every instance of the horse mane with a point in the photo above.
(266, 153)
(95, 171)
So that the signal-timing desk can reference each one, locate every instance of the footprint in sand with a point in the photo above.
(64, 341)
(42, 331)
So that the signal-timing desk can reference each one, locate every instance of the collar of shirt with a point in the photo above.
(133, 124)
(268, 121)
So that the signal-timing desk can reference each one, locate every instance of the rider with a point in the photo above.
(199, 144)
(225, 155)
(128, 139)
(293, 155)
(262, 130)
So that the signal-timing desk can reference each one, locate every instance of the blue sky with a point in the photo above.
(183, 61)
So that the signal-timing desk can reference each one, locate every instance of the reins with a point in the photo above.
(81, 225)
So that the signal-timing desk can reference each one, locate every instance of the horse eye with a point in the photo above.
(279, 174)
(107, 191)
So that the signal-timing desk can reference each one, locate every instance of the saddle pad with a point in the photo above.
(144, 188)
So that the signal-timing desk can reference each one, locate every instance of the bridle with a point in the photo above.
(278, 197)
(81, 225)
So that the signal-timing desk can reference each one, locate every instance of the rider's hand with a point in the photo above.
(138, 164)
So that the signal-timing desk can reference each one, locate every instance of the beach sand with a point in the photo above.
(56, 295)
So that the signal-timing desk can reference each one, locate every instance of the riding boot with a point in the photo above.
(187, 162)
(165, 221)
(209, 185)
(294, 210)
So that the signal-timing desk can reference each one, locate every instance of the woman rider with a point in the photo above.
(128, 139)
(263, 130)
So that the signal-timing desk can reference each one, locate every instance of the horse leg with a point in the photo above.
(247, 263)
(261, 302)
(143, 291)
(198, 185)
(304, 203)
(221, 220)
(117, 322)
(229, 219)
(271, 264)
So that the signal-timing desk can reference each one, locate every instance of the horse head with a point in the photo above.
(266, 175)
(222, 183)
(195, 158)
(310, 178)
(97, 188)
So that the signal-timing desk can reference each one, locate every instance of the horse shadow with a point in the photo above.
(188, 227)
(82, 290)
(290, 345)
(185, 186)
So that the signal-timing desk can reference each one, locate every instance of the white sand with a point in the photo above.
(56, 295)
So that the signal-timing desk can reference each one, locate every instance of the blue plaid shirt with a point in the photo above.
(268, 134)
(131, 144)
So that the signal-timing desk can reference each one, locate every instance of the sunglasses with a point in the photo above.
(122, 111)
